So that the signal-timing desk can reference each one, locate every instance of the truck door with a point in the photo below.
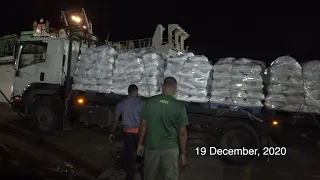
(31, 66)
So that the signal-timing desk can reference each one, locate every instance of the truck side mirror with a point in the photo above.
(17, 73)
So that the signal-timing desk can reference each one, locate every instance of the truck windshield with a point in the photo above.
(33, 53)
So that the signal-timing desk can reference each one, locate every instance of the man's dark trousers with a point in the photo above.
(130, 157)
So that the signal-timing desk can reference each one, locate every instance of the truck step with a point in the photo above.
(253, 110)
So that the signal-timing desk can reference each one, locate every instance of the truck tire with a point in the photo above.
(246, 137)
(44, 118)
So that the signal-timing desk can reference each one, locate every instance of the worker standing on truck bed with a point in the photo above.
(163, 124)
(130, 109)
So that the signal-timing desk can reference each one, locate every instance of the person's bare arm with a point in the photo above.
(117, 114)
(142, 131)
(115, 122)
(183, 140)
(143, 124)
(183, 135)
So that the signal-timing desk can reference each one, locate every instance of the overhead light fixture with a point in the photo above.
(76, 19)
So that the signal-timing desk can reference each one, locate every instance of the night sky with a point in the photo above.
(256, 31)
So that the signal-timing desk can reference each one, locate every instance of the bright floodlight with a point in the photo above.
(76, 19)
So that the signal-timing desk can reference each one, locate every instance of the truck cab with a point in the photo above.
(40, 65)
(39, 79)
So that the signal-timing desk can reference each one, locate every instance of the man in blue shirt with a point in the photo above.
(130, 109)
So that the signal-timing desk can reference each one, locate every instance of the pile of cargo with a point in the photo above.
(154, 64)
(311, 82)
(235, 82)
(128, 69)
(143, 70)
(285, 85)
(94, 69)
(192, 74)
(238, 82)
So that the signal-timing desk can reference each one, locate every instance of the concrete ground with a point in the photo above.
(90, 153)
(5, 113)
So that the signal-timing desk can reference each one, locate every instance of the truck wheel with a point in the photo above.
(238, 136)
(44, 118)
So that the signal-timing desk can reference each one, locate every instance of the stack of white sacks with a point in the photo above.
(94, 69)
(142, 69)
(128, 69)
(154, 64)
(285, 85)
(192, 74)
(311, 81)
(238, 82)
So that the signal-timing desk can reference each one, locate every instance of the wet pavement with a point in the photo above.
(90, 154)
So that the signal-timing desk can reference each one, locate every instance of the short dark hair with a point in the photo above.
(132, 88)
(170, 82)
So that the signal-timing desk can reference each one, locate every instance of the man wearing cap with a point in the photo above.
(163, 126)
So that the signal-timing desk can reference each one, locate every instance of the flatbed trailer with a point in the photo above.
(252, 128)
(98, 108)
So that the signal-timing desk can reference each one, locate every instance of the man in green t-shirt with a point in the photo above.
(163, 127)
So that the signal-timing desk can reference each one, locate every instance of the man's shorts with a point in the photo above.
(162, 163)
